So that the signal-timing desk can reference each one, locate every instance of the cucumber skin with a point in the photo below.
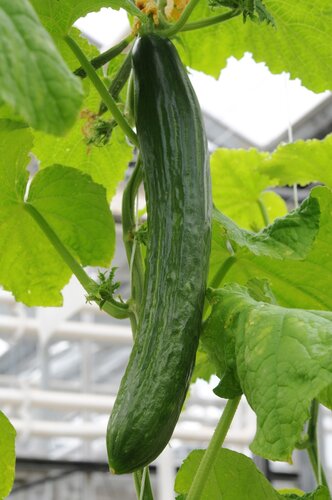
(179, 202)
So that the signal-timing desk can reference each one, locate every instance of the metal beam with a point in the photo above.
(70, 330)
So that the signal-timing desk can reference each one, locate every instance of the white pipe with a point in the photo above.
(70, 330)
(65, 400)
(57, 400)
(95, 430)
(6, 298)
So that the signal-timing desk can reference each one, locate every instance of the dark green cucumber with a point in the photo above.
(174, 151)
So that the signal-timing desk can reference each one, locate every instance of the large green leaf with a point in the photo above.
(238, 184)
(300, 163)
(325, 397)
(105, 163)
(239, 177)
(73, 205)
(227, 479)
(288, 237)
(34, 79)
(280, 358)
(7, 456)
(204, 369)
(304, 283)
(301, 44)
(59, 15)
(76, 209)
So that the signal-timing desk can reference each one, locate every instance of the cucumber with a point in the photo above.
(177, 185)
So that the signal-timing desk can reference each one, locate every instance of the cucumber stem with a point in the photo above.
(210, 455)
(105, 57)
(210, 21)
(133, 252)
(113, 308)
(136, 264)
(312, 447)
(102, 90)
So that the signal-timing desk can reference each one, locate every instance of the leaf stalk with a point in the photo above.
(210, 21)
(263, 212)
(118, 82)
(102, 90)
(210, 455)
(116, 309)
(105, 57)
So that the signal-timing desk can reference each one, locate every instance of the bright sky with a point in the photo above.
(247, 97)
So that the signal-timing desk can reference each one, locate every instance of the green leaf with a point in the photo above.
(245, 174)
(105, 163)
(280, 357)
(305, 283)
(204, 369)
(59, 15)
(301, 162)
(260, 290)
(325, 397)
(75, 208)
(321, 493)
(236, 176)
(301, 44)
(289, 237)
(7, 456)
(34, 79)
(228, 479)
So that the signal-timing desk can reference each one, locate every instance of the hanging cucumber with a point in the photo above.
(174, 152)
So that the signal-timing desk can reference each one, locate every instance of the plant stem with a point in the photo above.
(210, 21)
(105, 57)
(114, 308)
(312, 447)
(118, 82)
(210, 455)
(182, 21)
(263, 211)
(222, 271)
(146, 492)
(218, 278)
(133, 252)
(136, 265)
(102, 90)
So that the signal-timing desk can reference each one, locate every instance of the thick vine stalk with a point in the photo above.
(210, 454)
(136, 265)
